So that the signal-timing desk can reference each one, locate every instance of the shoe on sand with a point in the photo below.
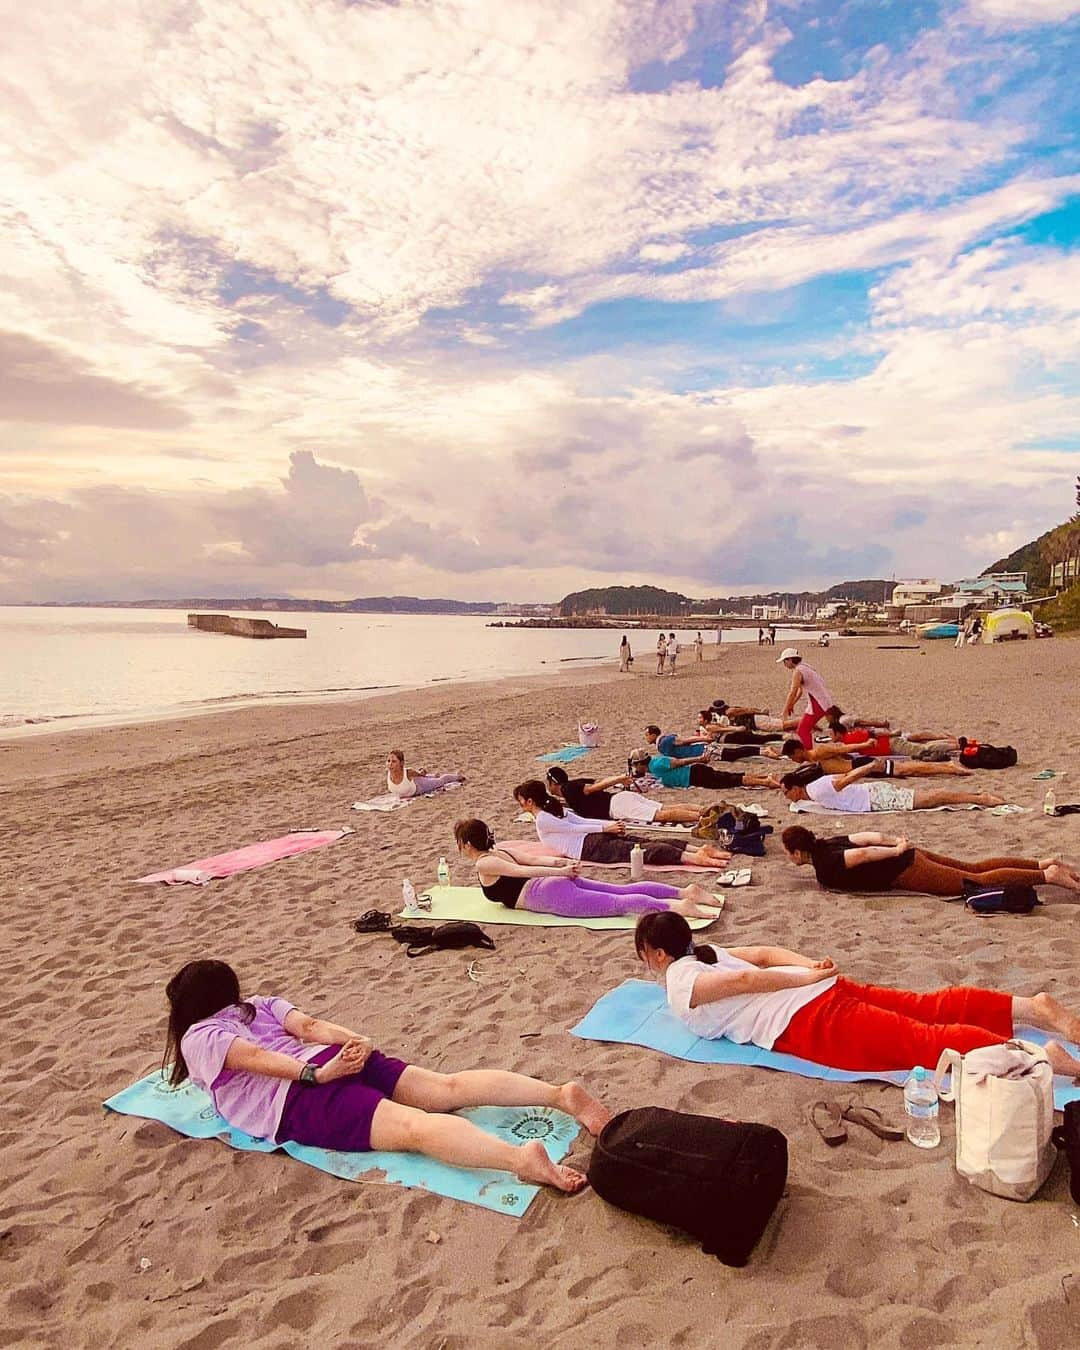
(870, 1118)
(827, 1119)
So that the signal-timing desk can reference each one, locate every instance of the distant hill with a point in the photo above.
(371, 604)
(623, 600)
(1029, 558)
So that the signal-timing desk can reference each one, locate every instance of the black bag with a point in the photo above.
(420, 941)
(986, 756)
(1014, 898)
(718, 1180)
(1067, 1138)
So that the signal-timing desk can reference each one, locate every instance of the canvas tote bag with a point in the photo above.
(1003, 1124)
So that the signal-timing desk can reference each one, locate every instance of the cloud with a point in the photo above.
(1022, 13)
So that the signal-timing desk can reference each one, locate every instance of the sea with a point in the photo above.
(75, 668)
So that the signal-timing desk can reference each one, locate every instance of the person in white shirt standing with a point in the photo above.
(805, 682)
(672, 653)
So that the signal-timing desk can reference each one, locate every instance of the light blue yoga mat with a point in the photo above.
(636, 1013)
(189, 1110)
(565, 755)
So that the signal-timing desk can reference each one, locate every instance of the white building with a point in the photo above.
(769, 613)
(919, 591)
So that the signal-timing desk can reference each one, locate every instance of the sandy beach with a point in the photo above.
(877, 1244)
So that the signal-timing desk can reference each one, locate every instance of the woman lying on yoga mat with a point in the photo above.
(553, 886)
(869, 861)
(837, 759)
(278, 1074)
(594, 799)
(783, 1001)
(847, 792)
(403, 782)
(591, 841)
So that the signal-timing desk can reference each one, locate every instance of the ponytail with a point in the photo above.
(476, 833)
(666, 931)
(532, 790)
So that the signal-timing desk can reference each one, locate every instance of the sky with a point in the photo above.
(497, 299)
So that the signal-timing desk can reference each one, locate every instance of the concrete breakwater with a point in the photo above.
(247, 628)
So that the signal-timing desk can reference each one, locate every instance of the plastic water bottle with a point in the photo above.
(637, 863)
(1049, 802)
(443, 872)
(921, 1108)
(408, 897)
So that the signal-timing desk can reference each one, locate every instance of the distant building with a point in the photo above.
(1065, 573)
(916, 592)
(769, 613)
(996, 588)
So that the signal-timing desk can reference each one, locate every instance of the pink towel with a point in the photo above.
(243, 859)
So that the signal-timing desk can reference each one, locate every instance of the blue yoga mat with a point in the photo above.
(189, 1110)
(636, 1013)
(565, 755)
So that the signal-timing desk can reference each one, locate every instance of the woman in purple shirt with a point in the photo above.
(279, 1074)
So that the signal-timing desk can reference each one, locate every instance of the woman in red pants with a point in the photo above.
(780, 1000)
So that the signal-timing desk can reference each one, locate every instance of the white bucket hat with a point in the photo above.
(788, 653)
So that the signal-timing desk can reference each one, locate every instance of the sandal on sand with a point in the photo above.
(870, 1118)
(826, 1118)
(374, 921)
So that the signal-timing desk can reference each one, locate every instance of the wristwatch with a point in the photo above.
(307, 1076)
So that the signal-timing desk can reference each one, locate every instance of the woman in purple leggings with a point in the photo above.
(403, 782)
(276, 1073)
(554, 887)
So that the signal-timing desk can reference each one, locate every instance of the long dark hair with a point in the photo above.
(666, 931)
(199, 989)
(532, 790)
(556, 774)
(476, 833)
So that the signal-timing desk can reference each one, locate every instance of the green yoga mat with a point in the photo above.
(470, 902)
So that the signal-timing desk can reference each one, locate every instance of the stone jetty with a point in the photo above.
(247, 628)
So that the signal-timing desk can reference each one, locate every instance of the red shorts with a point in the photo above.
(862, 1026)
(808, 721)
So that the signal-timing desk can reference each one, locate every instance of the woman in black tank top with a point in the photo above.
(552, 886)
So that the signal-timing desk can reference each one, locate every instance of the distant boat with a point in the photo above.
(938, 630)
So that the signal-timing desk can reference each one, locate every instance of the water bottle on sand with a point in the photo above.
(921, 1108)
(408, 897)
(637, 863)
(443, 872)
(1049, 802)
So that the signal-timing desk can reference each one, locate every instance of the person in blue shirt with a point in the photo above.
(671, 745)
(674, 772)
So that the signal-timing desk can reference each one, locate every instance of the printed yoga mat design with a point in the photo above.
(189, 1110)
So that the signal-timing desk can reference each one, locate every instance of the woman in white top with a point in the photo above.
(805, 682)
(403, 782)
(784, 1001)
(848, 792)
(599, 841)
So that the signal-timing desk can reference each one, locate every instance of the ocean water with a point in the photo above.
(82, 667)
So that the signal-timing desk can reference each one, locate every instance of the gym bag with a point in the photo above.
(1010, 899)
(1004, 1098)
(718, 1180)
(419, 941)
(1067, 1138)
(976, 756)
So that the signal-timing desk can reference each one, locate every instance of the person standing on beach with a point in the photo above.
(805, 682)
(699, 647)
(719, 635)
(661, 652)
(772, 635)
(625, 656)
(761, 637)
(672, 653)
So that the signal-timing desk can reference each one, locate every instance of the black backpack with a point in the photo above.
(1067, 1138)
(718, 1180)
(1014, 898)
(986, 756)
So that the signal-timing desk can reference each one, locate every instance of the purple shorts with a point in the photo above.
(338, 1115)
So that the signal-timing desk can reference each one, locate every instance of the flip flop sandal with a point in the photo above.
(870, 1118)
(374, 921)
(826, 1118)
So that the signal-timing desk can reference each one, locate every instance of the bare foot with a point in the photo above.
(583, 1106)
(535, 1165)
(1059, 875)
(697, 909)
(988, 799)
(698, 895)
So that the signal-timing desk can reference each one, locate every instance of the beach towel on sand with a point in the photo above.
(201, 871)
(189, 1110)
(816, 809)
(390, 801)
(470, 902)
(565, 755)
(636, 1013)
